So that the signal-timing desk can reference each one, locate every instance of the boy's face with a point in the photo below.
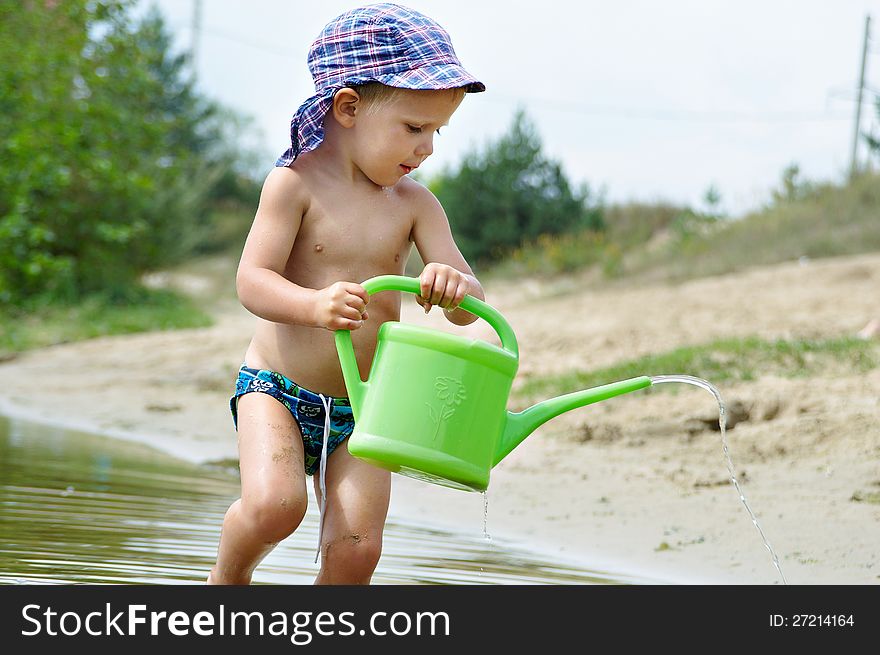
(396, 138)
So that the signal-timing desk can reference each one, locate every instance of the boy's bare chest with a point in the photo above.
(369, 234)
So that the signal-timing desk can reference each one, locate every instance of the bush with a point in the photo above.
(108, 153)
(510, 193)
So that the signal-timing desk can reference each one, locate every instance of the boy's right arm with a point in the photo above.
(260, 282)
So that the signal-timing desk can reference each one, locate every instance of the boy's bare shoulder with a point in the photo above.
(285, 188)
(418, 197)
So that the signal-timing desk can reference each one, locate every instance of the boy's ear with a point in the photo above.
(346, 103)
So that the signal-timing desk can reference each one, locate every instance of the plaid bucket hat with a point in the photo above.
(385, 43)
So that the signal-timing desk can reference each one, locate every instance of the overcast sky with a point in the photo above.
(649, 100)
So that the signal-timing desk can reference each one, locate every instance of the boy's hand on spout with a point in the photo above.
(341, 306)
(442, 285)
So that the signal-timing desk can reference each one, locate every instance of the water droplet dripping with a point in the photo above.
(486, 516)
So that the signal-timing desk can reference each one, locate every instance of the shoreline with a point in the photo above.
(408, 497)
(629, 484)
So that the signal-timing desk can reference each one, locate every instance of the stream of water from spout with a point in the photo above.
(722, 422)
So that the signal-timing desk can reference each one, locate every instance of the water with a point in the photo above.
(80, 508)
(722, 422)
(486, 516)
(485, 521)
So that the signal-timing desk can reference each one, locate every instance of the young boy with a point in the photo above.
(338, 209)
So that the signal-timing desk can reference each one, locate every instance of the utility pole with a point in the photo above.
(196, 33)
(854, 162)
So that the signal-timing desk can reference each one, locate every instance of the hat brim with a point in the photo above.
(433, 77)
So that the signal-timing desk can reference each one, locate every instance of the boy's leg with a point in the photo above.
(357, 505)
(273, 489)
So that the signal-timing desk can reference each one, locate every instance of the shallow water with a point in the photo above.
(81, 508)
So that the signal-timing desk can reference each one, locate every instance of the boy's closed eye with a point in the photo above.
(415, 129)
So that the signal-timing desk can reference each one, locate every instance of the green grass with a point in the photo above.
(725, 361)
(50, 324)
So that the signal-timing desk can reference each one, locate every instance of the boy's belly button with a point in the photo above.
(318, 247)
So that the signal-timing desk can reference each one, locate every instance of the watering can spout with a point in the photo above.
(519, 425)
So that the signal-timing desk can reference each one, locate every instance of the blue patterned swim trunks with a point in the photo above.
(306, 408)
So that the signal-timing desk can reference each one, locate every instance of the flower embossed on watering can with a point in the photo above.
(465, 383)
(450, 392)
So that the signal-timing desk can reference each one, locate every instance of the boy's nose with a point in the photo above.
(425, 147)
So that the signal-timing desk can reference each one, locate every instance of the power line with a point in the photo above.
(657, 114)
(688, 115)
(851, 96)
(237, 39)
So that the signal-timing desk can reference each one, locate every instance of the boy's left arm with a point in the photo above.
(447, 277)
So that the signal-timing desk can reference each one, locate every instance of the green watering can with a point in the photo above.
(435, 406)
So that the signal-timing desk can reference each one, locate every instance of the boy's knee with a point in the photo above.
(275, 517)
(354, 555)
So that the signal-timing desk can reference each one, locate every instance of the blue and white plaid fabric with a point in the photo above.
(385, 43)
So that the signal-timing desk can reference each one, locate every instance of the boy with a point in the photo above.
(338, 209)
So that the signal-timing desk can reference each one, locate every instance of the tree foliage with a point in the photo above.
(509, 193)
(107, 152)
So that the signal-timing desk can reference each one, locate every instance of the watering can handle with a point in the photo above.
(357, 387)
(470, 304)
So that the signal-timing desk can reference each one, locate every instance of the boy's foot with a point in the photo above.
(871, 330)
